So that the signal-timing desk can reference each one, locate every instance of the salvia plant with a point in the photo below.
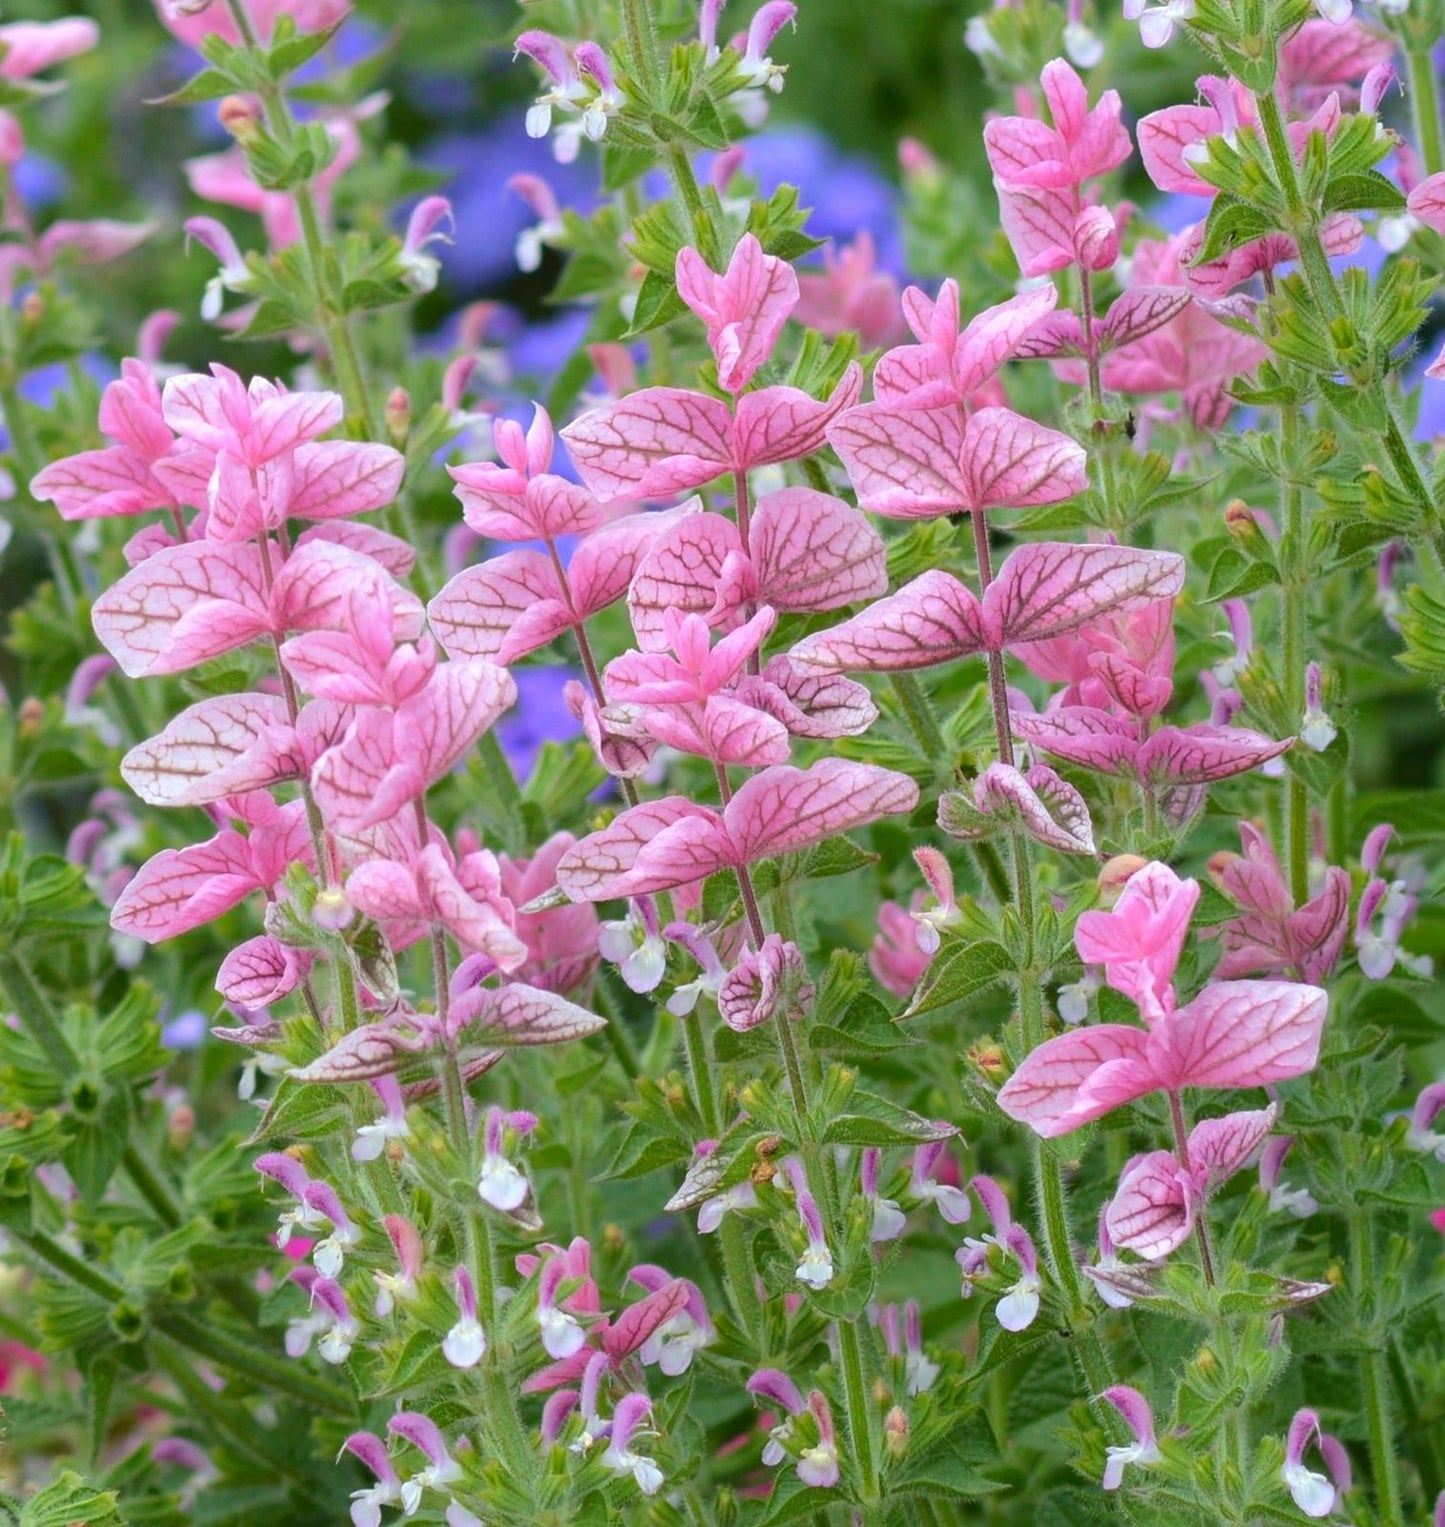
(936, 1024)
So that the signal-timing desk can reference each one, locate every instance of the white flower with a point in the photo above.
(465, 1344)
(816, 1268)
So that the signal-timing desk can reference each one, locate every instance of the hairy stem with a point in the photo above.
(1425, 103)
(1375, 1381)
(1295, 616)
(997, 685)
(860, 1410)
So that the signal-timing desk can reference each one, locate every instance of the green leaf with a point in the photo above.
(208, 85)
(299, 1111)
(960, 970)
(874, 1120)
(70, 1502)
(288, 53)
(1367, 191)
(657, 303)
(98, 1144)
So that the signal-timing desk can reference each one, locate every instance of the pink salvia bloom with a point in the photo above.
(366, 1504)
(672, 1345)
(1122, 661)
(619, 1456)
(852, 296)
(387, 759)
(770, 982)
(895, 959)
(818, 1463)
(1270, 936)
(1297, 1201)
(1233, 1034)
(952, 1202)
(1138, 1417)
(509, 606)
(518, 499)
(1083, 143)
(400, 1285)
(421, 269)
(1140, 941)
(190, 603)
(816, 1267)
(805, 551)
(744, 309)
(1019, 1307)
(465, 1343)
(1175, 761)
(888, 1220)
(673, 842)
(433, 887)
(1313, 1493)
(118, 479)
(665, 440)
(1159, 1197)
(1428, 1107)
(28, 47)
(1193, 354)
(1042, 590)
(442, 1470)
(184, 888)
(561, 943)
(635, 945)
(923, 463)
(951, 364)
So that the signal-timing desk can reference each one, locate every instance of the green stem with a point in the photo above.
(245, 1358)
(680, 167)
(917, 710)
(997, 685)
(860, 1411)
(151, 1186)
(1295, 593)
(236, 1425)
(1425, 102)
(48, 1249)
(34, 1011)
(333, 324)
(993, 871)
(1375, 1381)
(700, 1065)
(796, 1085)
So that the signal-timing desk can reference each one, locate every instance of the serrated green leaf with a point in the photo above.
(960, 970)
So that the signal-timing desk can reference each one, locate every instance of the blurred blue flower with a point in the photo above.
(39, 180)
(488, 216)
(186, 1031)
(540, 715)
(846, 193)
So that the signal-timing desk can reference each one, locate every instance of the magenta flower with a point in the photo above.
(816, 1267)
(466, 1343)
(1138, 1417)
(1042, 590)
(1234, 1034)
(442, 1470)
(1084, 142)
(672, 1345)
(1314, 1494)
(1160, 1196)
(366, 1504)
(673, 842)
(1270, 936)
(1282, 1198)
(620, 1456)
(400, 1285)
(804, 551)
(818, 1461)
(1140, 941)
